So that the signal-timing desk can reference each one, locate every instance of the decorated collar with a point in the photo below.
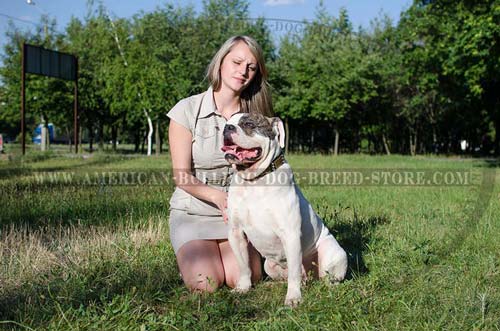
(277, 162)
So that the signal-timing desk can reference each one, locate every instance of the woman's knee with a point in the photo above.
(202, 282)
(200, 265)
(232, 277)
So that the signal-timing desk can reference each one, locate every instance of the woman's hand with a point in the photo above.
(219, 199)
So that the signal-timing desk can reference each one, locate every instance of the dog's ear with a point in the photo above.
(278, 128)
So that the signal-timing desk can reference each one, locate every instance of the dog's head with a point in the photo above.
(252, 141)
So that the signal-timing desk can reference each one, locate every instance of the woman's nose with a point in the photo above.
(243, 70)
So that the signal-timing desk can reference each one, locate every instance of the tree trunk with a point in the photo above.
(137, 141)
(336, 141)
(413, 144)
(80, 134)
(410, 138)
(114, 135)
(68, 134)
(157, 137)
(91, 138)
(435, 148)
(142, 143)
(101, 136)
(150, 132)
(287, 136)
(497, 135)
(311, 148)
(43, 135)
(386, 145)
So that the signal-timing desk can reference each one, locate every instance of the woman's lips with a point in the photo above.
(242, 81)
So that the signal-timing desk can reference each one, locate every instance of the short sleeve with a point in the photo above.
(182, 114)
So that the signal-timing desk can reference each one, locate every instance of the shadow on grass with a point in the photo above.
(354, 235)
(17, 168)
(493, 163)
(148, 282)
(96, 206)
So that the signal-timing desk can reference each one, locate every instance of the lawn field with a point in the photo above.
(84, 245)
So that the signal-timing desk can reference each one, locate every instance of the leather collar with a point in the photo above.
(277, 162)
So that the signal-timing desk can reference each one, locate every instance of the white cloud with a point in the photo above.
(282, 2)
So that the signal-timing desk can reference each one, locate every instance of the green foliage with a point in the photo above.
(451, 62)
(420, 86)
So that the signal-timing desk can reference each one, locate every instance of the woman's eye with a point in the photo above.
(252, 68)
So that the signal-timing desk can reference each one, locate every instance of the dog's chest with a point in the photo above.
(259, 211)
(264, 233)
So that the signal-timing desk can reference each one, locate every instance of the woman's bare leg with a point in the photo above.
(231, 269)
(200, 265)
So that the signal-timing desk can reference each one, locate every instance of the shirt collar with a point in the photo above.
(208, 104)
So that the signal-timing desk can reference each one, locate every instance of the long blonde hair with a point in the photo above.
(256, 97)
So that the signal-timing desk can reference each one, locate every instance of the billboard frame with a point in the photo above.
(54, 71)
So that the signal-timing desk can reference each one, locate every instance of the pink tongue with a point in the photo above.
(240, 153)
(227, 148)
(246, 153)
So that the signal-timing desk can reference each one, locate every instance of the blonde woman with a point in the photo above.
(198, 228)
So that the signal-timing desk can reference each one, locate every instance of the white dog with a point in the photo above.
(265, 205)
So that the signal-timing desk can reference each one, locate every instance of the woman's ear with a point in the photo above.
(279, 129)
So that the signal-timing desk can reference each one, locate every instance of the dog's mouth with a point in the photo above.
(239, 155)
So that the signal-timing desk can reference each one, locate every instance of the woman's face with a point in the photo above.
(238, 68)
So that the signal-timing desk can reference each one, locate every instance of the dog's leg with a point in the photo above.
(239, 245)
(293, 251)
(332, 259)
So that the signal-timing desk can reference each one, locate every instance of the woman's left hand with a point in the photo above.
(219, 198)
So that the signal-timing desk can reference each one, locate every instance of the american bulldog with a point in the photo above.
(266, 206)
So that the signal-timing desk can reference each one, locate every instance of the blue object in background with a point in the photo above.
(37, 134)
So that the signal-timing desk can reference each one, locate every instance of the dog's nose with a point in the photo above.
(229, 128)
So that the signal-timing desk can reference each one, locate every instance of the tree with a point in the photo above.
(472, 32)
(323, 73)
(451, 63)
(382, 69)
(93, 42)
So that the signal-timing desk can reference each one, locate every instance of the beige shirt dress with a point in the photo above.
(190, 217)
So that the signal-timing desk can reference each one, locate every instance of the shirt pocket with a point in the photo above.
(206, 131)
(206, 145)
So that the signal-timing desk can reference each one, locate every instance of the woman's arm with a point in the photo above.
(180, 141)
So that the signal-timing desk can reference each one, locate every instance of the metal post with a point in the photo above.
(75, 107)
(23, 121)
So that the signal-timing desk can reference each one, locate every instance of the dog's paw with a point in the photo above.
(243, 286)
(293, 302)
(239, 289)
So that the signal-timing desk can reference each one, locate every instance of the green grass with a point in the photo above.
(89, 255)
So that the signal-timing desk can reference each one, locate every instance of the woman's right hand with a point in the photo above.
(219, 199)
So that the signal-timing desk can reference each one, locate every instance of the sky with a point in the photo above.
(27, 16)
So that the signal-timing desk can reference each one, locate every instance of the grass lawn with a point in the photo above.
(84, 244)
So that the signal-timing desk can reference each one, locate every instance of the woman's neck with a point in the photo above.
(227, 102)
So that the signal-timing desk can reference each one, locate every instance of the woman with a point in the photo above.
(198, 229)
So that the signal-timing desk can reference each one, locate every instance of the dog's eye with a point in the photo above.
(249, 125)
